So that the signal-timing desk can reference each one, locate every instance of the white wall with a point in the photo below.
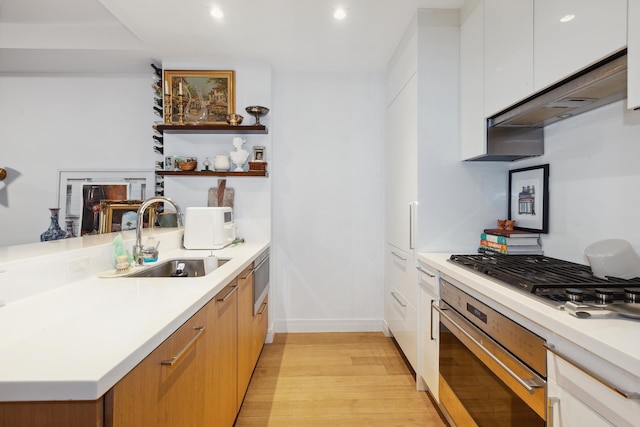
(327, 201)
(594, 180)
(325, 165)
(54, 122)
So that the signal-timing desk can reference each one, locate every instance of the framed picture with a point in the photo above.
(207, 96)
(74, 185)
(258, 154)
(92, 196)
(529, 198)
(121, 215)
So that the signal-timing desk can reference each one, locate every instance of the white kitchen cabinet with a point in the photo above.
(472, 118)
(563, 46)
(401, 165)
(401, 301)
(633, 54)
(402, 320)
(576, 398)
(508, 53)
(428, 342)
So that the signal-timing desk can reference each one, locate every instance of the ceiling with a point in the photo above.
(125, 35)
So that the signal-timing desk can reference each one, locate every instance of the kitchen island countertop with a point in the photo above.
(75, 341)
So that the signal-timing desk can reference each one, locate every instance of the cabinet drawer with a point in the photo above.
(428, 277)
(402, 318)
(576, 384)
(401, 273)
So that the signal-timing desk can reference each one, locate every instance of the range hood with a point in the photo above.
(518, 132)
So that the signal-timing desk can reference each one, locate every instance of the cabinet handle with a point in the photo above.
(248, 274)
(626, 394)
(529, 384)
(398, 256)
(224, 298)
(263, 308)
(422, 270)
(393, 294)
(431, 325)
(551, 403)
(411, 226)
(185, 348)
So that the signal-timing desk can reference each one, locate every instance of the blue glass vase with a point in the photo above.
(54, 232)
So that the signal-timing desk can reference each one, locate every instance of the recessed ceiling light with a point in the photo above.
(216, 12)
(567, 18)
(340, 13)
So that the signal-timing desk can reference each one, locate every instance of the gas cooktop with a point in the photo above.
(553, 280)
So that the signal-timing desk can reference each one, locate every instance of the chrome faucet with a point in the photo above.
(138, 249)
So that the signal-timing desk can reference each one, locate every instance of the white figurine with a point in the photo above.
(240, 156)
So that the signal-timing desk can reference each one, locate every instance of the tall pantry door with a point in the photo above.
(401, 174)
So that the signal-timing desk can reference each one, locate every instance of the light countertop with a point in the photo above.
(609, 346)
(77, 340)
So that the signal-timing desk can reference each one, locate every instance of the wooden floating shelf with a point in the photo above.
(203, 128)
(211, 173)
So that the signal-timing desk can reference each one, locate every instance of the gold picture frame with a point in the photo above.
(115, 215)
(207, 96)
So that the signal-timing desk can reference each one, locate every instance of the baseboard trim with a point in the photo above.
(328, 325)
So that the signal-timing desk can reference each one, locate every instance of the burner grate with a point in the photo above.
(532, 272)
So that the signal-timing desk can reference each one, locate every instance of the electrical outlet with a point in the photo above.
(78, 268)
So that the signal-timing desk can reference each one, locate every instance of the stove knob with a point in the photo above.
(574, 295)
(604, 296)
(632, 295)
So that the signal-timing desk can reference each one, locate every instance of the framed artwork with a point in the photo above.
(258, 154)
(74, 185)
(529, 198)
(92, 196)
(121, 215)
(207, 96)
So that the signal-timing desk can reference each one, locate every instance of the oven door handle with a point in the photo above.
(530, 384)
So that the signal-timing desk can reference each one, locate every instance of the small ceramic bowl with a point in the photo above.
(187, 166)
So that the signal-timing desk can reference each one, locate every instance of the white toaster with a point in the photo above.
(208, 228)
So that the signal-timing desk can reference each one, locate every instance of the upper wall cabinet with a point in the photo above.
(508, 53)
(472, 117)
(570, 35)
(633, 55)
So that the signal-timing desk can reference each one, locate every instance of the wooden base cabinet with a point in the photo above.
(196, 377)
(222, 372)
(252, 331)
(190, 379)
(52, 414)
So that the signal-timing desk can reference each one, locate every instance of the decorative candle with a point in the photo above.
(180, 88)
(166, 87)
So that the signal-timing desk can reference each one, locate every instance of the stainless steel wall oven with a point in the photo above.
(492, 370)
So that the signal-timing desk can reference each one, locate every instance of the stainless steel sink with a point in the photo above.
(181, 267)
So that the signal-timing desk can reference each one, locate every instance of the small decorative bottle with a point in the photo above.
(54, 232)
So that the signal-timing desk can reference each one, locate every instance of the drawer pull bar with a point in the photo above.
(398, 256)
(185, 348)
(393, 294)
(422, 270)
(626, 394)
(551, 404)
(263, 307)
(226, 297)
(248, 274)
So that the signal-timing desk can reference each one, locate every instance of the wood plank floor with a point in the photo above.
(334, 379)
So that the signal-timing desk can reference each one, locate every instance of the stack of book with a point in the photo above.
(510, 242)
